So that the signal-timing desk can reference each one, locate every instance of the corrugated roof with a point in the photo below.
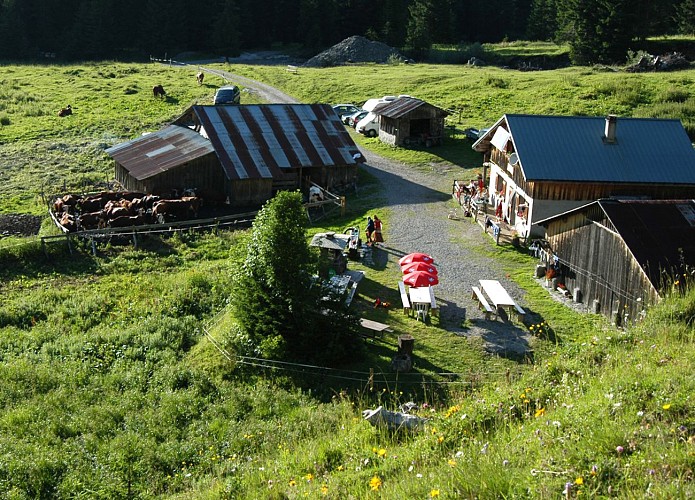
(401, 107)
(261, 141)
(159, 151)
(572, 149)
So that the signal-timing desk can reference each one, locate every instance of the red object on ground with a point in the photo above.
(419, 266)
(415, 257)
(417, 279)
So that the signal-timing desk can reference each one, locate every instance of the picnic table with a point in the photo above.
(499, 296)
(421, 300)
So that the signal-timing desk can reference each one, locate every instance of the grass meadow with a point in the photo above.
(119, 378)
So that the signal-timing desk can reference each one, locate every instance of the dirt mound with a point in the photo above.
(355, 49)
(19, 225)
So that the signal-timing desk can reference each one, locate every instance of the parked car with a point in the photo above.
(344, 109)
(229, 94)
(356, 117)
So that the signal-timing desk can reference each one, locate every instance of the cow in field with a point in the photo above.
(66, 111)
(158, 91)
(68, 222)
(200, 77)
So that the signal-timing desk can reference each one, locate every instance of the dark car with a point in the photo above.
(344, 109)
(228, 94)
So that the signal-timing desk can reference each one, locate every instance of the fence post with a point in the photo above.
(343, 204)
(94, 247)
(67, 238)
(43, 247)
(135, 239)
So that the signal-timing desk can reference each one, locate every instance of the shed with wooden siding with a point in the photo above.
(544, 165)
(242, 154)
(407, 120)
(623, 254)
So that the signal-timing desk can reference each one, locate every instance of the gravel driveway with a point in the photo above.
(418, 222)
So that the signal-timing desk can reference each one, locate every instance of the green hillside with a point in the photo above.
(118, 374)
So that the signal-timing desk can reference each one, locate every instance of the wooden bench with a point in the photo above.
(404, 298)
(482, 302)
(291, 69)
(519, 310)
(433, 303)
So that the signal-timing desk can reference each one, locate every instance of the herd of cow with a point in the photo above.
(122, 209)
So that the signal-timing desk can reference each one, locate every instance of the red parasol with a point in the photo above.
(419, 266)
(417, 279)
(415, 257)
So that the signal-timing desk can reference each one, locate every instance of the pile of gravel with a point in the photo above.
(355, 49)
(19, 225)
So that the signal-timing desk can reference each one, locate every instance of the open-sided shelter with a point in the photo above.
(241, 154)
(544, 165)
(620, 256)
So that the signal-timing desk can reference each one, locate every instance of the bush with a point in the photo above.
(4, 120)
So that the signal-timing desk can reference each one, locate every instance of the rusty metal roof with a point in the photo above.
(160, 151)
(401, 107)
(264, 141)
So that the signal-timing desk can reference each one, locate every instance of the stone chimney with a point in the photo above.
(611, 124)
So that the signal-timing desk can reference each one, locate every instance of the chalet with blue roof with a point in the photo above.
(540, 166)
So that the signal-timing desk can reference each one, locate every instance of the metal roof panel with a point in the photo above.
(572, 149)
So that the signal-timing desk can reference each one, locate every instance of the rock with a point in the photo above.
(355, 49)
(393, 420)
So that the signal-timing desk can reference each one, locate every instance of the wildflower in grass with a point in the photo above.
(324, 489)
(293, 483)
(452, 462)
(540, 412)
(667, 406)
(341, 468)
(619, 449)
(567, 490)
(579, 481)
(434, 493)
(440, 439)
(594, 470)
(375, 483)
(381, 452)
(309, 477)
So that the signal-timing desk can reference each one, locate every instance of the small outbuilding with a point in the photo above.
(408, 121)
(620, 256)
(241, 154)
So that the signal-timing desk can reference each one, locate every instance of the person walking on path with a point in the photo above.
(370, 230)
(377, 236)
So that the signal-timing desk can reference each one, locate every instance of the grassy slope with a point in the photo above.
(109, 386)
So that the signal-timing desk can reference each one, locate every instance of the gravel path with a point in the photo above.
(418, 222)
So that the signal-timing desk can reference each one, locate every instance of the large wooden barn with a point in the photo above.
(620, 256)
(544, 165)
(408, 121)
(241, 155)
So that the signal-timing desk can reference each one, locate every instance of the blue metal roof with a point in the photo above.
(572, 149)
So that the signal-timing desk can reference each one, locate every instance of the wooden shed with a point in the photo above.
(408, 121)
(242, 154)
(619, 256)
(544, 165)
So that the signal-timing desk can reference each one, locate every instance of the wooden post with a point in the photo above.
(67, 238)
(43, 247)
(343, 205)
(94, 247)
(135, 239)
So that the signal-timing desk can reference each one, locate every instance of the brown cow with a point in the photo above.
(127, 221)
(158, 91)
(68, 222)
(92, 220)
(167, 210)
(66, 111)
(91, 204)
(200, 77)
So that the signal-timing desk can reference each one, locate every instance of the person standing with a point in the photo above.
(370, 230)
(377, 238)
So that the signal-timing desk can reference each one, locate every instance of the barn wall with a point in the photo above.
(332, 177)
(597, 261)
(249, 192)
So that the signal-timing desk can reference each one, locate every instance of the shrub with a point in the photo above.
(4, 120)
